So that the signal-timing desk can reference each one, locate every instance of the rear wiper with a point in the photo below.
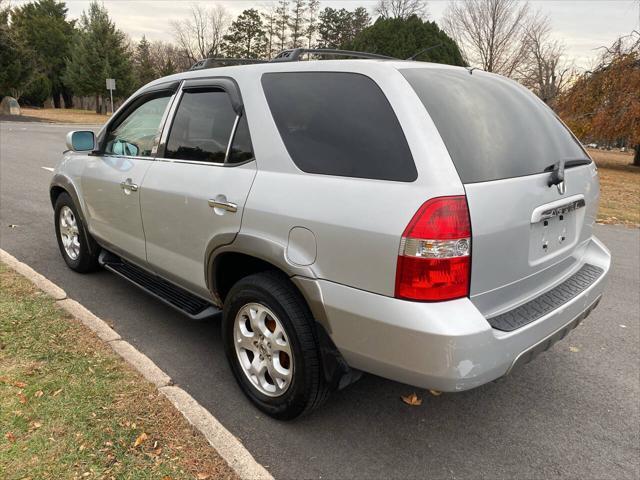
(557, 169)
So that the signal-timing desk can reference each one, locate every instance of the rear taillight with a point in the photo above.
(434, 262)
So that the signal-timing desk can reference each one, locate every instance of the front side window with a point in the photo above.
(202, 127)
(339, 124)
(135, 135)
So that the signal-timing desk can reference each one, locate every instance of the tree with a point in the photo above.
(401, 8)
(404, 38)
(282, 23)
(490, 33)
(146, 71)
(43, 26)
(312, 22)
(99, 51)
(167, 58)
(604, 104)
(270, 17)
(202, 34)
(247, 36)
(543, 71)
(339, 27)
(297, 22)
(17, 64)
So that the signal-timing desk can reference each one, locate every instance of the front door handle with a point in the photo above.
(223, 204)
(128, 185)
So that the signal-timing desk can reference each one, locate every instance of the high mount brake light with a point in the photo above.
(434, 261)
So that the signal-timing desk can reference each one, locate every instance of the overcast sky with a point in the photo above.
(582, 25)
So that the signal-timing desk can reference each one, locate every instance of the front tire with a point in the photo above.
(269, 340)
(79, 251)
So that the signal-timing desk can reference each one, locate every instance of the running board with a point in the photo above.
(185, 302)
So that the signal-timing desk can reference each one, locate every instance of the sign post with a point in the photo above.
(111, 86)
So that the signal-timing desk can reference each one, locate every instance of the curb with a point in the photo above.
(222, 440)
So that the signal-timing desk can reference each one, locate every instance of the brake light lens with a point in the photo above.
(434, 261)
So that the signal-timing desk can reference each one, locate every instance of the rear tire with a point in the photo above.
(79, 250)
(286, 338)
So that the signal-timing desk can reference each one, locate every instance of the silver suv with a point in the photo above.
(425, 223)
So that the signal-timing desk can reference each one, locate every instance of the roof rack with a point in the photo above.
(294, 54)
(224, 62)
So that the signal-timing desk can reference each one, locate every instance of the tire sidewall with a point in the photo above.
(64, 200)
(293, 401)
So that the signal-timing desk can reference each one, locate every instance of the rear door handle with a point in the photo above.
(129, 185)
(224, 205)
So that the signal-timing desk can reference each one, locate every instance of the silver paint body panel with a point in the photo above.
(345, 265)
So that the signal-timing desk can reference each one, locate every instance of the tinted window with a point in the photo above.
(338, 124)
(492, 127)
(202, 127)
(241, 148)
(135, 135)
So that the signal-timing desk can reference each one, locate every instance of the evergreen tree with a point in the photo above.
(17, 64)
(312, 22)
(270, 17)
(247, 36)
(43, 26)
(145, 71)
(168, 68)
(297, 22)
(99, 52)
(339, 27)
(282, 23)
(401, 38)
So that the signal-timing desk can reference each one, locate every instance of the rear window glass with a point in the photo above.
(492, 128)
(338, 124)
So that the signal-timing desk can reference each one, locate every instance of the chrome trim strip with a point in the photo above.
(233, 134)
(558, 207)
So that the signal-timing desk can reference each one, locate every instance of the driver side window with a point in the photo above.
(135, 136)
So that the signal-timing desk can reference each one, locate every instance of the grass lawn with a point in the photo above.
(63, 115)
(70, 408)
(619, 186)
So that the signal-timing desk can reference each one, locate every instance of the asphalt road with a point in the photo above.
(570, 414)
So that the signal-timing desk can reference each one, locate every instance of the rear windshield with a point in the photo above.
(339, 124)
(492, 128)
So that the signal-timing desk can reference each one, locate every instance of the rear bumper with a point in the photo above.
(447, 346)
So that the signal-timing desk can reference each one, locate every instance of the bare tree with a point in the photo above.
(544, 71)
(490, 33)
(401, 8)
(201, 35)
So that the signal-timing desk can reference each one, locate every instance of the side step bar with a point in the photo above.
(190, 305)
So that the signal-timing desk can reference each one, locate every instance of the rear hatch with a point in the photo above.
(527, 235)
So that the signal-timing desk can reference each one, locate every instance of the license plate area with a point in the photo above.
(554, 228)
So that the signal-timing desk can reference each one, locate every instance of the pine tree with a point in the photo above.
(270, 18)
(297, 22)
(312, 22)
(145, 71)
(282, 23)
(99, 52)
(247, 36)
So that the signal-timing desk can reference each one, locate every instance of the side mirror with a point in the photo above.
(81, 141)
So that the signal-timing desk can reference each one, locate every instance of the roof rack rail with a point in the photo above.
(294, 54)
(224, 62)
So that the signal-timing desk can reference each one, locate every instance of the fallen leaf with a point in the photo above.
(435, 393)
(23, 398)
(19, 384)
(10, 436)
(574, 349)
(141, 438)
(202, 476)
(412, 399)
(56, 393)
(38, 394)
(35, 425)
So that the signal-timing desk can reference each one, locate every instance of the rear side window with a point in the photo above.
(492, 128)
(339, 124)
(202, 127)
